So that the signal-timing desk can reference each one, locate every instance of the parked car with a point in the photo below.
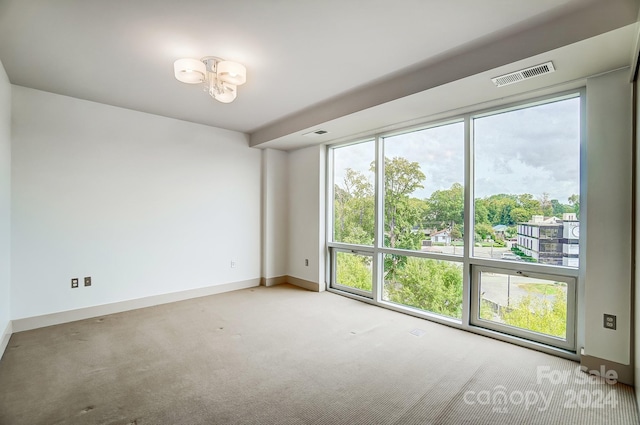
(510, 256)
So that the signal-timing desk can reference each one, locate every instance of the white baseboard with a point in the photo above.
(5, 338)
(302, 283)
(272, 281)
(624, 372)
(306, 284)
(35, 322)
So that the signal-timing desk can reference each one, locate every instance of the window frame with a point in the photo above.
(567, 343)
(471, 264)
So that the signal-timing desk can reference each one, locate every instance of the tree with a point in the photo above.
(447, 206)
(545, 205)
(354, 209)
(499, 208)
(353, 271)
(531, 205)
(456, 232)
(401, 178)
(484, 231)
(481, 211)
(574, 201)
(559, 209)
(401, 213)
(519, 215)
(430, 285)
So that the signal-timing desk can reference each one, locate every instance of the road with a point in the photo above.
(501, 289)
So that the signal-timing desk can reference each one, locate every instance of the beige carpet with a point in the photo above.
(283, 355)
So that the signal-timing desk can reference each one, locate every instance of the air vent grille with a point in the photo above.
(523, 74)
(315, 133)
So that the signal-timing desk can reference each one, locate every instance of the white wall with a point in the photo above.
(5, 200)
(145, 205)
(608, 209)
(307, 214)
(636, 323)
(275, 213)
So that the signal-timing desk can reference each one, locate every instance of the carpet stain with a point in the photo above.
(135, 422)
(87, 409)
(100, 320)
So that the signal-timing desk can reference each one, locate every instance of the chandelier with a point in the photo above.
(221, 78)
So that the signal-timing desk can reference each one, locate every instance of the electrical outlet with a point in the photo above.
(610, 321)
(74, 282)
(87, 281)
(306, 262)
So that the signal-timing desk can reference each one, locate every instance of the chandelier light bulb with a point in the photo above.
(232, 72)
(227, 94)
(190, 71)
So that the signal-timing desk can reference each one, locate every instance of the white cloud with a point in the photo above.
(532, 150)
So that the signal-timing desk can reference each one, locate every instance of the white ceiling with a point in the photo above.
(573, 64)
(299, 54)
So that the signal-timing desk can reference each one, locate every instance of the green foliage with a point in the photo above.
(539, 314)
(547, 315)
(481, 212)
(546, 208)
(401, 213)
(447, 207)
(574, 201)
(405, 216)
(456, 232)
(354, 209)
(484, 231)
(559, 209)
(353, 271)
(401, 178)
(430, 285)
(522, 255)
(519, 215)
(498, 208)
(486, 311)
(513, 209)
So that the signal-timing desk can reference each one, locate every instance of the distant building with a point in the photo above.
(443, 236)
(551, 240)
(500, 231)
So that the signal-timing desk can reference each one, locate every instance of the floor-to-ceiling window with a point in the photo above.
(472, 222)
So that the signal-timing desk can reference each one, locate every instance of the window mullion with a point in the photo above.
(378, 239)
(468, 220)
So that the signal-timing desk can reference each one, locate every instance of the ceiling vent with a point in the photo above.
(316, 133)
(523, 74)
